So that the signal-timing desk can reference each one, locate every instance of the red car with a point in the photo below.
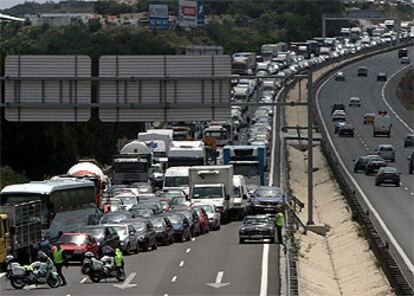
(202, 216)
(76, 245)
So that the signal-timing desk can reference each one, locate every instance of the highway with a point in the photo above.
(395, 205)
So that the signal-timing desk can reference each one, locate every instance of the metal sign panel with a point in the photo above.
(164, 88)
(47, 88)
(158, 16)
(187, 15)
(200, 14)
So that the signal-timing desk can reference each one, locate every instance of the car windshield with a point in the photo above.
(208, 208)
(128, 199)
(158, 223)
(176, 181)
(237, 191)
(207, 192)
(179, 201)
(388, 170)
(138, 225)
(386, 148)
(116, 217)
(73, 239)
(175, 219)
(122, 231)
(256, 220)
(246, 169)
(96, 232)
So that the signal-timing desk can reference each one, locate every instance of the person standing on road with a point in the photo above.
(60, 259)
(279, 223)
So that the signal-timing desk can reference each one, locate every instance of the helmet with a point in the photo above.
(9, 259)
(42, 257)
(89, 255)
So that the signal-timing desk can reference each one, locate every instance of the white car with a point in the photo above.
(386, 151)
(338, 115)
(354, 101)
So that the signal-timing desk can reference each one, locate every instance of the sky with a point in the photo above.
(9, 3)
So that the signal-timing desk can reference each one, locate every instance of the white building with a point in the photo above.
(60, 19)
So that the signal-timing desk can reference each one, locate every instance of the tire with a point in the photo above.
(154, 246)
(241, 240)
(53, 283)
(17, 284)
(95, 279)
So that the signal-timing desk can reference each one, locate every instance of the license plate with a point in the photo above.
(257, 236)
(268, 209)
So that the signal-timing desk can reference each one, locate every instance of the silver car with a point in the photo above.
(128, 237)
(387, 152)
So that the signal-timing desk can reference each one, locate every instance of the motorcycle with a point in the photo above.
(35, 274)
(97, 269)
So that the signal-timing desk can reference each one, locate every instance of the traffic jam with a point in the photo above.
(174, 182)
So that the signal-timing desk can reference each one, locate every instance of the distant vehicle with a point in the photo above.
(266, 199)
(386, 151)
(192, 218)
(104, 235)
(339, 76)
(405, 60)
(369, 118)
(181, 226)
(362, 72)
(409, 141)
(147, 237)
(382, 125)
(128, 237)
(374, 164)
(256, 228)
(346, 130)
(381, 76)
(387, 175)
(243, 63)
(164, 230)
(411, 163)
(337, 106)
(354, 101)
(338, 115)
(403, 52)
(77, 244)
(142, 212)
(338, 126)
(360, 163)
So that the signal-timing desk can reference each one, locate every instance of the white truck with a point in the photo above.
(176, 178)
(212, 184)
(186, 153)
(382, 125)
(158, 140)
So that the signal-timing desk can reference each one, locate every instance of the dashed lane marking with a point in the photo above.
(188, 250)
(181, 264)
(83, 280)
(405, 188)
(174, 278)
(411, 193)
(193, 239)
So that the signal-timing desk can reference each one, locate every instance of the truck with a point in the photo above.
(212, 184)
(20, 230)
(269, 51)
(248, 161)
(176, 178)
(243, 63)
(158, 140)
(222, 135)
(186, 153)
(301, 48)
(382, 124)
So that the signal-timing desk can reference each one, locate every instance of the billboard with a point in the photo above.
(158, 16)
(200, 13)
(187, 14)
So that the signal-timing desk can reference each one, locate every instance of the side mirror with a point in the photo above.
(245, 196)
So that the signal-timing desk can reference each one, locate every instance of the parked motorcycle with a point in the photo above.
(97, 269)
(37, 273)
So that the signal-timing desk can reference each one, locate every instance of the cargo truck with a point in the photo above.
(213, 184)
(20, 230)
(243, 63)
(382, 124)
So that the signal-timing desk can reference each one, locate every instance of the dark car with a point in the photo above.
(409, 141)
(104, 235)
(192, 217)
(403, 52)
(346, 130)
(411, 163)
(362, 72)
(382, 76)
(374, 164)
(337, 107)
(115, 217)
(128, 237)
(339, 76)
(387, 175)
(180, 225)
(147, 237)
(361, 163)
(257, 227)
(266, 199)
(164, 230)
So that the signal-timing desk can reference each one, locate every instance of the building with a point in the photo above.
(60, 19)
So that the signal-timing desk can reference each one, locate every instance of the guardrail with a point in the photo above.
(391, 269)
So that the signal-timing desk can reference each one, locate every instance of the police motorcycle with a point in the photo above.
(101, 269)
(37, 273)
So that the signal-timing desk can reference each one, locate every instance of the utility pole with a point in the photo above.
(310, 148)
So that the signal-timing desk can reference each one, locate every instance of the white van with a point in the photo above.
(176, 178)
(241, 205)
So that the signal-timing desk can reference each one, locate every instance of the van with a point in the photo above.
(241, 205)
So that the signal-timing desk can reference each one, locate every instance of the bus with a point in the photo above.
(56, 196)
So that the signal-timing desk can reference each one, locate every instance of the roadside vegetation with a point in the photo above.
(405, 90)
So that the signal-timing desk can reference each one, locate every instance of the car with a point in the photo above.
(214, 217)
(257, 227)
(339, 125)
(105, 235)
(170, 194)
(354, 101)
(192, 217)
(361, 163)
(76, 244)
(142, 212)
(128, 237)
(409, 141)
(115, 217)
(382, 76)
(266, 199)
(362, 71)
(386, 151)
(202, 216)
(387, 175)
(405, 60)
(339, 76)
(338, 115)
(411, 163)
(179, 202)
(369, 118)
(128, 199)
(163, 229)
(147, 237)
(346, 130)
(374, 163)
(337, 106)
(181, 226)
(403, 52)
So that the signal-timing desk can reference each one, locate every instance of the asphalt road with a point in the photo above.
(395, 205)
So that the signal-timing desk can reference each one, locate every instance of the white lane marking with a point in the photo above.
(188, 250)
(411, 193)
(174, 278)
(193, 239)
(68, 295)
(388, 104)
(405, 188)
(165, 294)
(83, 280)
(181, 264)
(388, 233)
(2, 274)
(264, 278)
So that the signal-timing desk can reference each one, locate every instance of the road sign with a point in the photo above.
(200, 13)
(158, 16)
(164, 88)
(47, 88)
(187, 15)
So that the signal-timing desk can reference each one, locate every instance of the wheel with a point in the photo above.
(17, 283)
(94, 278)
(241, 240)
(53, 282)
(397, 184)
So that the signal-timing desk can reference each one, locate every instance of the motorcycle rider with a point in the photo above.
(119, 259)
